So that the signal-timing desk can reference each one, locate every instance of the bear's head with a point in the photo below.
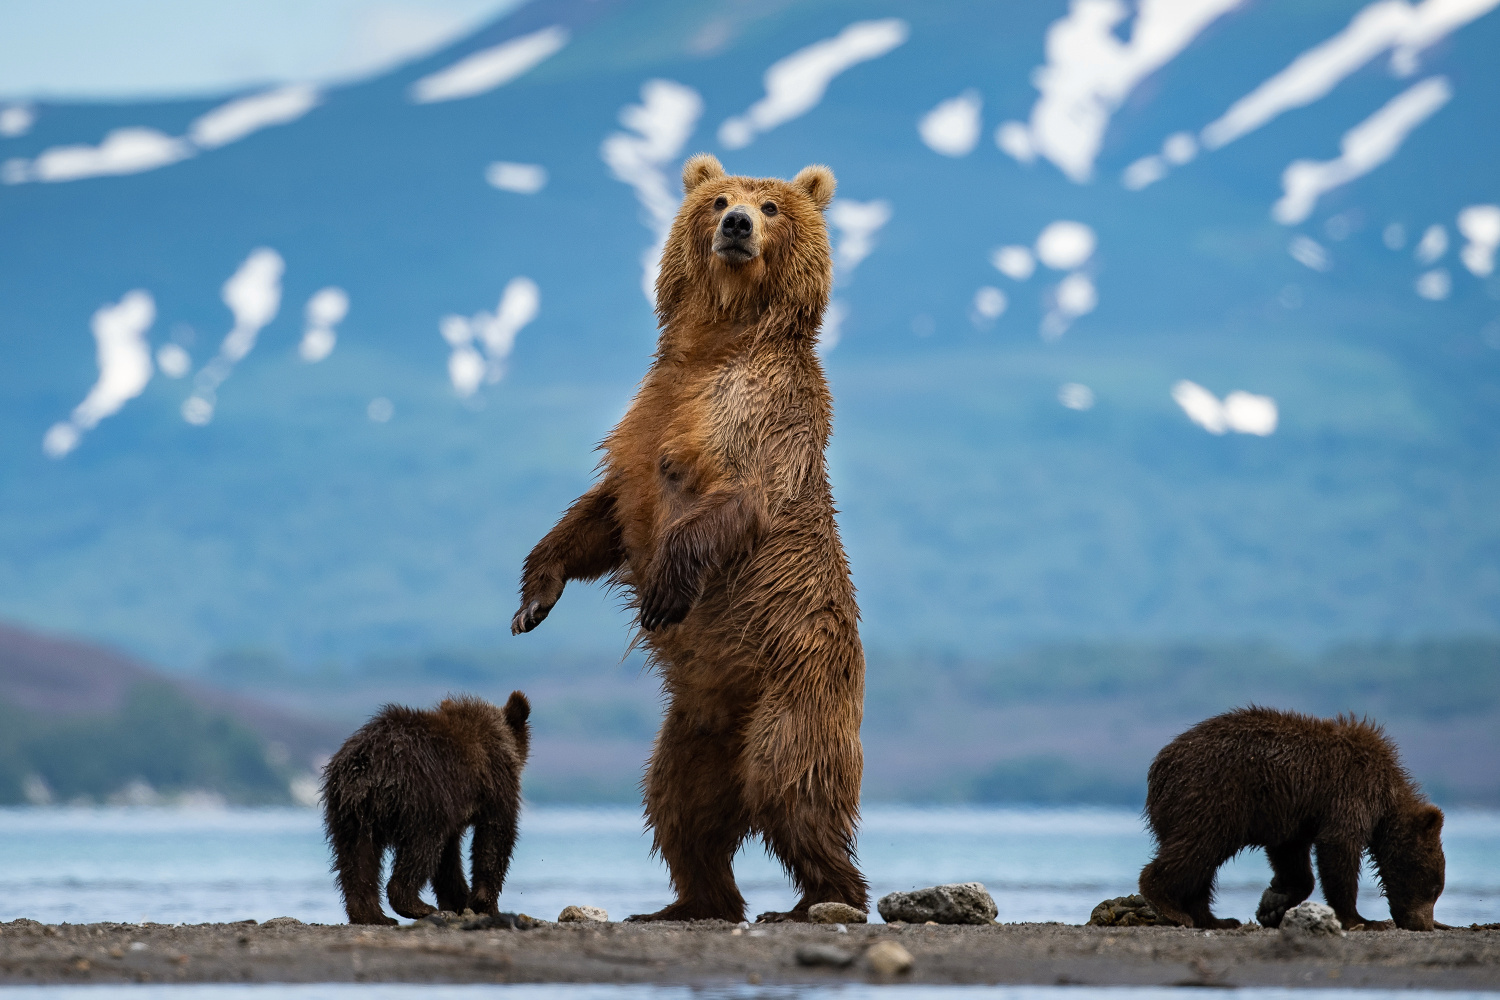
(741, 247)
(1411, 864)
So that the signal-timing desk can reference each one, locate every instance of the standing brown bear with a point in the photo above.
(415, 780)
(713, 508)
(1257, 777)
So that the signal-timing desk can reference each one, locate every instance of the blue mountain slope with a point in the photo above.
(978, 510)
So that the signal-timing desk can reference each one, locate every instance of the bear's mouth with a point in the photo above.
(734, 251)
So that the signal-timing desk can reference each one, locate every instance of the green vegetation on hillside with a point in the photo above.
(159, 742)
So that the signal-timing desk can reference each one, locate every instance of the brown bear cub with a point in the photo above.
(713, 509)
(1257, 777)
(414, 780)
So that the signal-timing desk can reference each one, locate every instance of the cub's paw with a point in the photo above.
(663, 605)
(1273, 906)
(531, 614)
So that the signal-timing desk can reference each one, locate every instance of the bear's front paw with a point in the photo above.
(663, 605)
(1273, 906)
(531, 614)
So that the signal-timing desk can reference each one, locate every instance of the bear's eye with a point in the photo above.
(721, 203)
(769, 208)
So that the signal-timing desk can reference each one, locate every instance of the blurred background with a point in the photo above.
(1165, 347)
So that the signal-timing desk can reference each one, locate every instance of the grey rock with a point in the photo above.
(500, 921)
(824, 954)
(283, 922)
(582, 915)
(957, 903)
(835, 913)
(1310, 920)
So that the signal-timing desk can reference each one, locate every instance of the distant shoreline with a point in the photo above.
(288, 951)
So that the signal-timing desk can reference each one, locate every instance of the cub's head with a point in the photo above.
(744, 244)
(1412, 867)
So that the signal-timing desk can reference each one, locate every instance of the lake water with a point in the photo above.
(184, 866)
(580, 991)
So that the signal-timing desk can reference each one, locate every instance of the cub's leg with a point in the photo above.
(1291, 881)
(356, 856)
(448, 883)
(1338, 869)
(584, 545)
(494, 841)
(416, 862)
(697, 818)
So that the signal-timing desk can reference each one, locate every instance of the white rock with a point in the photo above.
(1310, 918)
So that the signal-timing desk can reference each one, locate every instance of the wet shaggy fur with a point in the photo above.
(1258, 777)
(713, 510)
(414, 780)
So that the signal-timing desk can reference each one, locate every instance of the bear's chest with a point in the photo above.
(692, 430)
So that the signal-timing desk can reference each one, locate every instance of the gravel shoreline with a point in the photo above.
(712, 952)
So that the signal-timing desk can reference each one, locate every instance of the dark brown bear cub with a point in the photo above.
(414, 780)
(1257, 777)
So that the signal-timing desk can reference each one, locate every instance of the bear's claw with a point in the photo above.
(528, 617)
(661, 607)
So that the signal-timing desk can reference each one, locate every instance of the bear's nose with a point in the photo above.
(737, 224)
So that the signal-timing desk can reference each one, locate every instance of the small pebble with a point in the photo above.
(824, 954)
(835, 913)
(887, 958)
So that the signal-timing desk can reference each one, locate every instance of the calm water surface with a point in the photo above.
(578, 991)
(171, 866)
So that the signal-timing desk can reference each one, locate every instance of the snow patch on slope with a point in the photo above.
(1090, 72)
(124, 359)
(494, 332)
(483, 71)
(659, 127)
(1363, 148)
(1242, 412)
(795, 84)
(253, 295)
(952, 128)
(134, 150)
(1381, 26)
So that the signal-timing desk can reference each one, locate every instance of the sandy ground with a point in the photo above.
(714, 952)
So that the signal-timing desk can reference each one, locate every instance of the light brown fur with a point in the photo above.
(713, 508)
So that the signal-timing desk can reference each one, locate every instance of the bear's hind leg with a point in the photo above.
(802, 777)
(694, 804)
(1291, 881)
(416, 863)
(494, 842)
(357, 859)
(816, 847)
(448, 883)
(1180, 888)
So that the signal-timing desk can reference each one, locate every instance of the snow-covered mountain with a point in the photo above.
(1166, 319)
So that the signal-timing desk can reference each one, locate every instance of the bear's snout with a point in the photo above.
(735, 239)
(737, 224)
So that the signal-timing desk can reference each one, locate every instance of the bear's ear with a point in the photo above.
(817, 183)
(1431, 820)
(703, 167)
